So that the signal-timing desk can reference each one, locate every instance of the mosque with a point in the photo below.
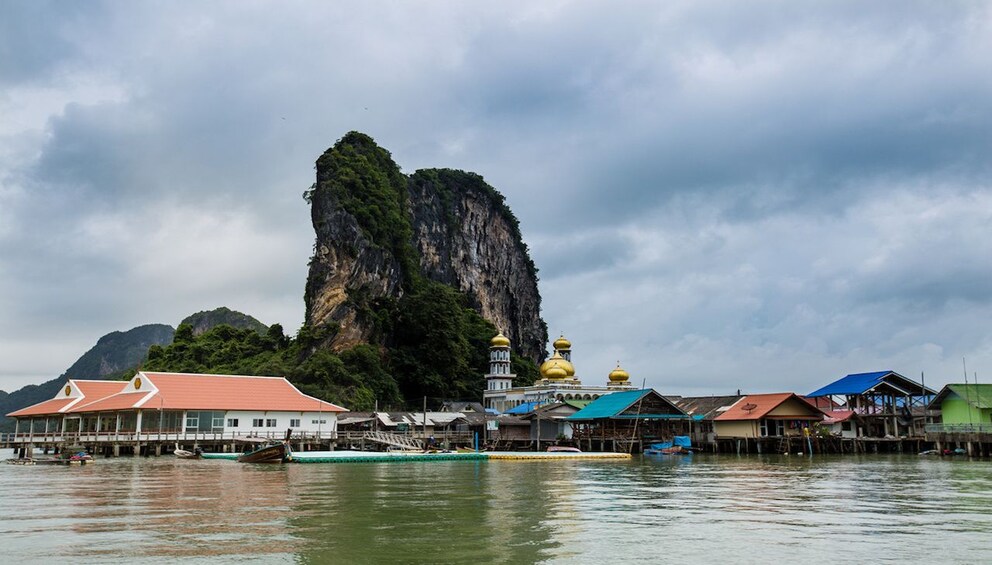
(557, 383)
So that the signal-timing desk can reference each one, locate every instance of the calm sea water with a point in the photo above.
(704, 509)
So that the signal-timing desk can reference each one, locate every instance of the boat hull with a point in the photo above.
(279, 453)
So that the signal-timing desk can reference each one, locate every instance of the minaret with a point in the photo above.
(619, 378)
(563, 346)
(499, 377)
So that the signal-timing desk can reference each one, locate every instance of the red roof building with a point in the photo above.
(766, 415)
(178, 403)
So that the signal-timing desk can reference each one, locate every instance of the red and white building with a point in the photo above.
(162, 407)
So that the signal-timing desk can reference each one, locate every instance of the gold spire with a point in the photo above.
(499, 341)
(618, 375)
(562, 343)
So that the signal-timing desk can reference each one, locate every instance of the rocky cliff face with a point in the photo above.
(377, 231)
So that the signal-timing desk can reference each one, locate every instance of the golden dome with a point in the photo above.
(555, 372)
(562, 343)
(618, 375)
(559, 361)
(499, 341)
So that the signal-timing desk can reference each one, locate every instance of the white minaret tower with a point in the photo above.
(499, 377)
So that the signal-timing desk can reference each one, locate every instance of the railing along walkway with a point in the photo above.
(959, 428)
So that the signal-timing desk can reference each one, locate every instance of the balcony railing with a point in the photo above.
(156, 436)
(959, 428)
(24, 438)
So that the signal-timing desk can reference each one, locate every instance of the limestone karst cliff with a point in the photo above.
(378, 232)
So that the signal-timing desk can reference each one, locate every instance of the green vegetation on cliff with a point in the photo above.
(430, 340)
(366, 183)
(437, 347)
(449, 183)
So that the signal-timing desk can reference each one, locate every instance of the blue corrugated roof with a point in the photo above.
(523, 408)
(857, 383)
(609, 405)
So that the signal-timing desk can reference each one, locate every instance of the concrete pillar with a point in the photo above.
(117, 450)
(158, 449)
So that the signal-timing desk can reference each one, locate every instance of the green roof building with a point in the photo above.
(965, 404)
(966, 411)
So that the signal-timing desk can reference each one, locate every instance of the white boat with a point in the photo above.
(184, 454)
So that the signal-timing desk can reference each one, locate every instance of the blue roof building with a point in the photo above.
(889, 404)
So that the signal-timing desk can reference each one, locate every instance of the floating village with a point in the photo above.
(267, 419)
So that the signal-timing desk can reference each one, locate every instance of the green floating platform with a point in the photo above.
(381, 457)
(364, 456)
(403, 457)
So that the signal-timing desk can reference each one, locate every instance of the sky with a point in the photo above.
(763, 196)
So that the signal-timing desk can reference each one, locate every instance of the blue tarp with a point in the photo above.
(680, 441)
(524, 408)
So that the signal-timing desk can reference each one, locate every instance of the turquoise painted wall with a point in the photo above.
(955, 410)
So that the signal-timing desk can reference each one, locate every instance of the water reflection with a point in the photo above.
(908, 508)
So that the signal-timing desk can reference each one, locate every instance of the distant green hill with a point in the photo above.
(203, 321)
(118, 354)
(113, 354)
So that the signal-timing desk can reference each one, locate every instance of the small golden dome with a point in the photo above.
(499, 341)
(555, 372)
(562, 343)
(618, 375)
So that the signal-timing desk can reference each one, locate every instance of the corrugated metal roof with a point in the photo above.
(705, 407)
(857, 383)
(613, 405)
(980, 396)
(757, 406)
(609, 405)
(860, 383)
(391, 419)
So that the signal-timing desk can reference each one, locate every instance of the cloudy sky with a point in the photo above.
(764, 196)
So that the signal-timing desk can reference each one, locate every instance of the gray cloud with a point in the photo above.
(722, 196)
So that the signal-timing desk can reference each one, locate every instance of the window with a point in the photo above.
(294, 422)
(846, 426)
(771, 428)
(232, 422)
(270, 423)
(204, 421)
(318, 422)
(256, 422)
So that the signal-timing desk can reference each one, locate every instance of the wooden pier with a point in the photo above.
(162, 443)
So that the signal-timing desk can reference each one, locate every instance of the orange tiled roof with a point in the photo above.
(757, 406)
(91, 390)
(119, 401)
(180, 391)
(47, 407)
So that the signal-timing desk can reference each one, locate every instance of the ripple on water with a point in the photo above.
(906, 509)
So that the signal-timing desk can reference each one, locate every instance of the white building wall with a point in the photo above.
(309, 422)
